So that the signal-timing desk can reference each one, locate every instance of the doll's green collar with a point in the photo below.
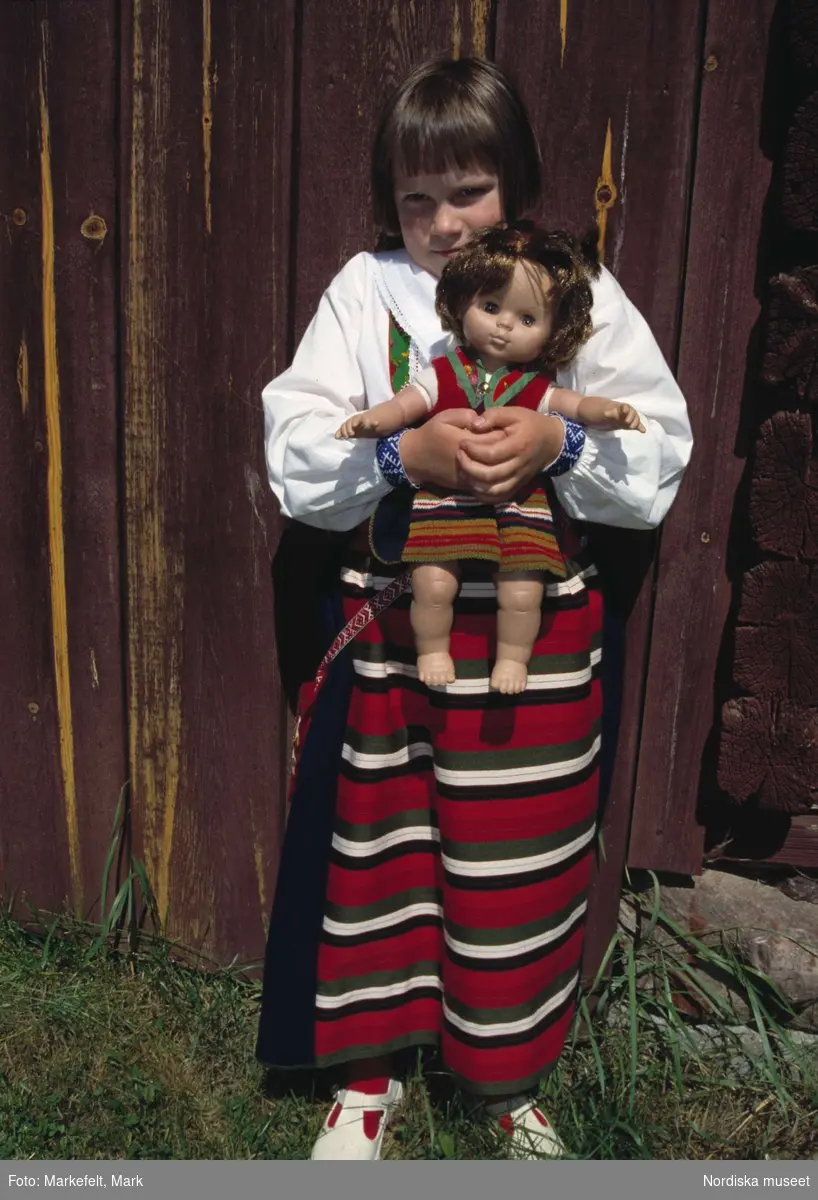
(485, 396)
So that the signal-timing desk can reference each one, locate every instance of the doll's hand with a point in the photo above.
(362, 425)
(599, 413)
(496, 470)
(430, 453)
(626, 417)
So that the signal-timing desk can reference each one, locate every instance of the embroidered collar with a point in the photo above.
(409, 294)
(483, 390)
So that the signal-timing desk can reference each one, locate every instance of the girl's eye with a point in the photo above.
(414, 198)
(490, 307)
(470, 192)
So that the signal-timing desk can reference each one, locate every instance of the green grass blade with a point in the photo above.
(116, 838)
(634, 1030)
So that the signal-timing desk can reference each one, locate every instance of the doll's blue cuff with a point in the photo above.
(387, 453)
(573, 443)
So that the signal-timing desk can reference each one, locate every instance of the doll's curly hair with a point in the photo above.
(486, 265)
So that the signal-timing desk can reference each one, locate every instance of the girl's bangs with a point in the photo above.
(434, 143)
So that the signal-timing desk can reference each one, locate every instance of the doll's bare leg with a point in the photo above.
(434, 588)
(519, 613)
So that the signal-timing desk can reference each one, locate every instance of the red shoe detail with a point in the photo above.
(540, 1117)
(505, 1122)
(372, 1122)
(334, 1115)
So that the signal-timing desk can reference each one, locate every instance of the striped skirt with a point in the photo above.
(462, 842)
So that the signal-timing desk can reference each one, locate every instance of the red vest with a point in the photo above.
(453, 391)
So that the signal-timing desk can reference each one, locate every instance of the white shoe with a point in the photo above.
(356, 1124)
(532, 1134)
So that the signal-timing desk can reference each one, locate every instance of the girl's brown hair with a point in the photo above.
(487, 263)
(455, 113)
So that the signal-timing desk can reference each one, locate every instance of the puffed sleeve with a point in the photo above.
(317, 479)
(622, 477)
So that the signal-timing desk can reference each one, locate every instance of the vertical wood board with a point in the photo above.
(720, 310)
(206, 96)
(63, 761)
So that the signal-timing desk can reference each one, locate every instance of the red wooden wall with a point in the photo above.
(180, 179)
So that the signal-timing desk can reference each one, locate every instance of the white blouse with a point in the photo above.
(342, 366)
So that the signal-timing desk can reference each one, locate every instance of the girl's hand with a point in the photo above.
(495, 470)
(430, 453)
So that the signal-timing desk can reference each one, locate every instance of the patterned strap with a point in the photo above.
(365, 614)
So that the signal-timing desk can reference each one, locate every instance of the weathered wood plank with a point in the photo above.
(769, 753)
(612, 91)
(62, 763)
(776, 638)
(771, 839)
(783, 507)
(720, 310)
(207, 106)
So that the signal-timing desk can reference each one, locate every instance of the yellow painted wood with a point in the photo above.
(605, 194)
(258, 858)
(155, 575)
(56, 532)
(480, 13)
(563, 29)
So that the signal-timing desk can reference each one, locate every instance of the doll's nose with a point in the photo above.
(503, 321)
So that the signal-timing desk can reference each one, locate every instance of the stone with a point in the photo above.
(757, 923)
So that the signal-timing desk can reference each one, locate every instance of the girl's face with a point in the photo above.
(512, 324)
(439, 212)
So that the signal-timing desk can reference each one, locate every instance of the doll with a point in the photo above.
(518, 302)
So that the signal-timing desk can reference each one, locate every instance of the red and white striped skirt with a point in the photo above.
(462, 842)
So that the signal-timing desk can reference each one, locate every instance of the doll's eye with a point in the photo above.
(528, 320)
(490, 307)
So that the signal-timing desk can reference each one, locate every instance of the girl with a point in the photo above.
(432, 886)
(515, 296)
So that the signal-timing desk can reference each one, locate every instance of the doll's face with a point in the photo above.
(513, 324)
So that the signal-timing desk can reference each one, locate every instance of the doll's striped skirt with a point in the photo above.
(462, 842)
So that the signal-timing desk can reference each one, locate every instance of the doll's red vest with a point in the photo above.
(451, 393)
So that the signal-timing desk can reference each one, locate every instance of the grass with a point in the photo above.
(109, 1052)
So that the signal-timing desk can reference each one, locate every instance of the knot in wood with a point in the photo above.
(711, 63)
(605, 194)
(19, 216)
(94, 228)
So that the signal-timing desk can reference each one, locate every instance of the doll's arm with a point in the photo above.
(405, 408)
(594, 411)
